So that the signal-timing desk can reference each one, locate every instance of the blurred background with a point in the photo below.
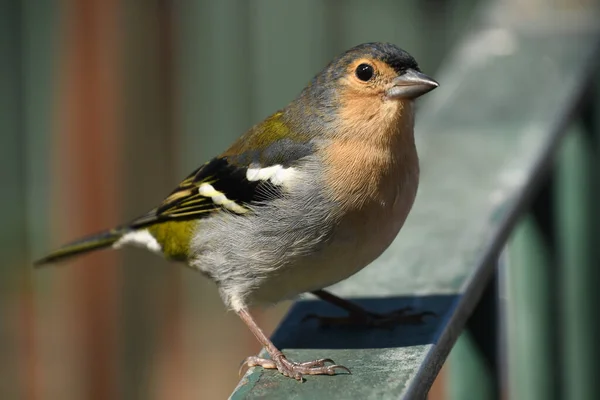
(104, 106)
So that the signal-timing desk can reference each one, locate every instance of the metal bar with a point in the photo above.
(578, 197)
(532, 312)
(474, 364)
(544, 214)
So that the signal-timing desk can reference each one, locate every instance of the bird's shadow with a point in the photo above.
(296, 333)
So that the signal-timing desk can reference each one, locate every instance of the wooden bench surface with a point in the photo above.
(484, 138)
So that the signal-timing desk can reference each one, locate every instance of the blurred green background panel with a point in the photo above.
(12, 237)
(12, 140)
(151, 305)
(27, 34)
(213, 77)
(290, 44)
(40, 52)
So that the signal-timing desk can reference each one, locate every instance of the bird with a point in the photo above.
(302, 200)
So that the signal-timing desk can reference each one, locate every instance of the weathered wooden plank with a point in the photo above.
(484, 137)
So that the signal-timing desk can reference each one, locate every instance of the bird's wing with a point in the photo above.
(216, 186)
(250, 173)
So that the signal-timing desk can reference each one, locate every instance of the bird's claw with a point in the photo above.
(295, 370)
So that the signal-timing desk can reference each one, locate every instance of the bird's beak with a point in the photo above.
(411, 85)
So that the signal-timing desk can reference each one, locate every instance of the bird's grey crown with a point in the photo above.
(397, 58)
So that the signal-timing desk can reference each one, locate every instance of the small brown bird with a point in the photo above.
(303, 200)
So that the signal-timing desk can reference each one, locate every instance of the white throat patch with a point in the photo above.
(141, 238)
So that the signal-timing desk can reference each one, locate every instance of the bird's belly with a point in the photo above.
(358, 240)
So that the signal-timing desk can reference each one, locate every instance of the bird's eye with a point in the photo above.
(364, 72)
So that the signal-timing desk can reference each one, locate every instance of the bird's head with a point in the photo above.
(377, 70)
(369, 87)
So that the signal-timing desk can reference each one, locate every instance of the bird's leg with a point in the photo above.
(358, 316)
(288, 368)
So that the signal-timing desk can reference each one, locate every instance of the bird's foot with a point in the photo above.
(369, 319)
(293, 369)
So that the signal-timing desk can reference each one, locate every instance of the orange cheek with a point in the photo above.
(368, 116)
(359, 106)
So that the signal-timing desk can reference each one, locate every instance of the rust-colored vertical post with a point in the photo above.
(87, 159)
(170, 345)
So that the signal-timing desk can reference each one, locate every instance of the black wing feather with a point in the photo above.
(185, 202)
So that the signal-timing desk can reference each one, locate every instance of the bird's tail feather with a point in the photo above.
(89, 243)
